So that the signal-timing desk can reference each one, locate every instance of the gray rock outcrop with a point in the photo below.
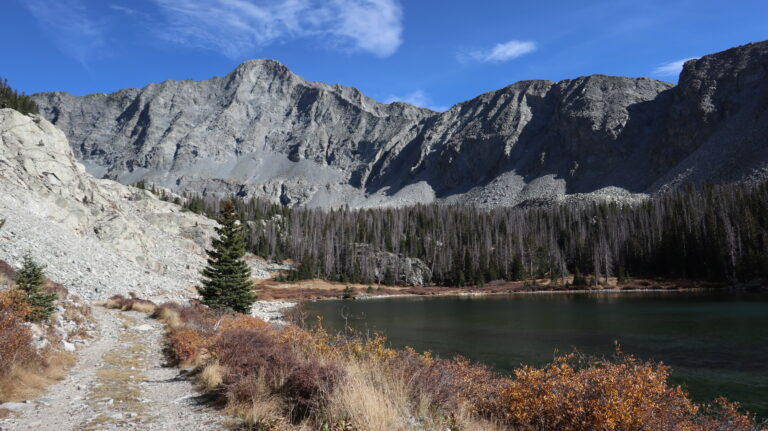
(404, 270)
(263, 131)
(97, 237)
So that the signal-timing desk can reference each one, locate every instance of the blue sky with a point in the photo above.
(432, 53)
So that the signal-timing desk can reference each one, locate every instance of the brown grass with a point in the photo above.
(374, 400)
(28, 380)
(169, 316)
(119, 302)
(211, 376)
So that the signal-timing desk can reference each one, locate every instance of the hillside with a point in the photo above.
(262, 131)
(97, 237)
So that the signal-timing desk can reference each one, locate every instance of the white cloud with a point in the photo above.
(416, 98)
(123, 9)
(70, 25)
(671, 68)
(238, 27)
(501, 52)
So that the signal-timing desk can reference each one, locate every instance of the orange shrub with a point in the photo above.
(230, 322)
(187, 344)
(16, 349)
(573, 395)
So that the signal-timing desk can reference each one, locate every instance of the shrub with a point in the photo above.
(133, 303)
(169, 313)
(348, 293)
(187, 345)
(565, 395)
(449, 384)
(307, 388)
(16, 349)
(15, 337)
(245, 353)
(199, 318)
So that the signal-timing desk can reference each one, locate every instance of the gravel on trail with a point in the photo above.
(120, 381)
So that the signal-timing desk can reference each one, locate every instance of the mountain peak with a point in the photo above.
(269, 133)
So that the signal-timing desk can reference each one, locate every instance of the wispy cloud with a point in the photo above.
(238, 27)
(416, 98)
(123, 9)
(71, 26)
(501, 52)
(671, 68)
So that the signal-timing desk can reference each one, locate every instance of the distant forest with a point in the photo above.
(10, 98)
(718, 232)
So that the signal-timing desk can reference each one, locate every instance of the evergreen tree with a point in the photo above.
(389, 277)
(226, 280)
(579, 279)
(10, 98)
(518, 270)
(30, 280)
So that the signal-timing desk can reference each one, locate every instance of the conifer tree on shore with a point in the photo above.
(226, 280)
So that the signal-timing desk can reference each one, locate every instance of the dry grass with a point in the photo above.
(211, 376)
(25, 381)
(260, 409)
(143, 308)
(119, 302)
(370, 398)
(170, 317)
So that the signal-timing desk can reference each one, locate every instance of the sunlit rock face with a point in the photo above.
(96, 236)
(262, 131)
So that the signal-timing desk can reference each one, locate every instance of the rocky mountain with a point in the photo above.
(263, 131)
(97, 237)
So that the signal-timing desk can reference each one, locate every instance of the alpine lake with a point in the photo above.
(715, 341)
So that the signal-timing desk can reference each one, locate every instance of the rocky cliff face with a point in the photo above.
(98, 237)
(263, 131)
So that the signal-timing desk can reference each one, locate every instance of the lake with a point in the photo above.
(715, 341)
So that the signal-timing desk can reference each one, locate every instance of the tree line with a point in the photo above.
(716, 232)
(10, 98)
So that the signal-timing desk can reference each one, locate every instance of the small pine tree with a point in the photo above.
(579, 279)
(226, 280)
(389, 277)
(348, 293)
(623, 278)
(29, 280)
(518, 270)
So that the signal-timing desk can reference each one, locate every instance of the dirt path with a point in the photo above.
(119, 381)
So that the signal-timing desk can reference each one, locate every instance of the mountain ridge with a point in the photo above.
(263, 131)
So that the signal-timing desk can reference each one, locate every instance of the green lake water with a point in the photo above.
(715, 341)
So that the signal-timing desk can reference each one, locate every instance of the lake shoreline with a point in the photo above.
(311, 290)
